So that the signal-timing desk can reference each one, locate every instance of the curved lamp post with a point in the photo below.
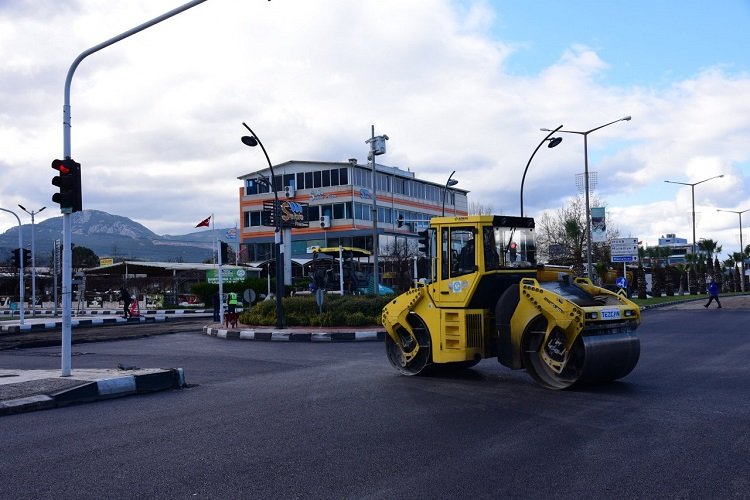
(20, 263)
(252, 141)
(692, 191)
(33, 258)
(742, 263)
(585, 135)
(553, 141)
(450, 182)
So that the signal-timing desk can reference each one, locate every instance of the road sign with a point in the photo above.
(624, 258)
(623, 247)
(621, 282)
(624, 241)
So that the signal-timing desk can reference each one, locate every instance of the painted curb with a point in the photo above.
(293, 336)
(105, 388)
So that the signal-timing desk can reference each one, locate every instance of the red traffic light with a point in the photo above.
(60, 166)
(69, 182)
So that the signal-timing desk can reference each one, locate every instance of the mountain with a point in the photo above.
(111, 236)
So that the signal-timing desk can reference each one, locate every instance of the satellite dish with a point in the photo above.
(249, 295)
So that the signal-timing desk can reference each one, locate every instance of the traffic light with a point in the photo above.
(224, 252)
(513, 251)
(26, 257)
(69, 182)
(424, 241)
(15, 259)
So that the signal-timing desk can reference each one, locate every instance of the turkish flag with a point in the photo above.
(205, 222)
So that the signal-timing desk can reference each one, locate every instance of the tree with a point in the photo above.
(479, 209)
(561, 236)
(84, 257)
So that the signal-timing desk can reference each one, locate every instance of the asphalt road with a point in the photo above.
(288, 420)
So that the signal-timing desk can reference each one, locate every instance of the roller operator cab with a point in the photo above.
(486, 297)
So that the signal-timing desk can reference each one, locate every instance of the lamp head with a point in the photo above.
(627, 118)
(452, 182)
(554, 141)
(249, 140)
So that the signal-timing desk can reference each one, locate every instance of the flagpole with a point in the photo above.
(213, 242)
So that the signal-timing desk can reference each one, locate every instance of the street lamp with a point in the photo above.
(553, 141)
(253, 141)
(586, 181)
(20, 263)
(33, 258)
(449, 183)
(692, 189)
(742, 250)
(377, 147)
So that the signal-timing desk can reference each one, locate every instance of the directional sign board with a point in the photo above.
(621, 282)
(623, 246)
(624, 258)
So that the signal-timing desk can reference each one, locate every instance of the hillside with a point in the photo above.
(111, 236)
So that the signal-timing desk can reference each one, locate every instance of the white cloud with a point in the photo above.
(157, 118)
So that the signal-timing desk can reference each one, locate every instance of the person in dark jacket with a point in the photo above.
(713, 292)
(126, 300)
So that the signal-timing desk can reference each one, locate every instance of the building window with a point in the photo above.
(326, 178)
(335, 177)
(246, 219)
(300, 180)
(313, 213)
(255, 219)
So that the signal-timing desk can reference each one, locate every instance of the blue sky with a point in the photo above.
(646, 43)
(457, 84)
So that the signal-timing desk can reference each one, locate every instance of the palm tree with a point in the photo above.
(691, 273)
(681, 270)
(730, 264)
(709, 247)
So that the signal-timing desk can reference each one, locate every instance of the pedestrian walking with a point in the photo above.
(126, 300)
(713, 292)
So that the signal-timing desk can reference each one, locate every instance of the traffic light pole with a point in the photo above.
(67, 268)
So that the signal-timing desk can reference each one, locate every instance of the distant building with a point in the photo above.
(679, 248)
(333, 204)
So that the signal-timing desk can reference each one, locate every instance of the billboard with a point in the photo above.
(598, 225)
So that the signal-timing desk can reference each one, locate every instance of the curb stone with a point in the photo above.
(104, 388)
(294, 336)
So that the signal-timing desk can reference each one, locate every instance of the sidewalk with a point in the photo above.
(30, 390)
(95, 317)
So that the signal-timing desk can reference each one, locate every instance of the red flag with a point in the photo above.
(205, 222)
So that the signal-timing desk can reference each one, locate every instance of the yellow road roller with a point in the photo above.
(486, 297)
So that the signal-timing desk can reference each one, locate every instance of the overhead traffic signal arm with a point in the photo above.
(69, 182)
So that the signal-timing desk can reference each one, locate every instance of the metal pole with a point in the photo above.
(692, 189)
(278, 235)
(588, 210)
(375, 242)
(20, 264)
(67, 269)
(56, 267)
(586, 182)
(742, 250)
(32, 213)
(742, 253)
